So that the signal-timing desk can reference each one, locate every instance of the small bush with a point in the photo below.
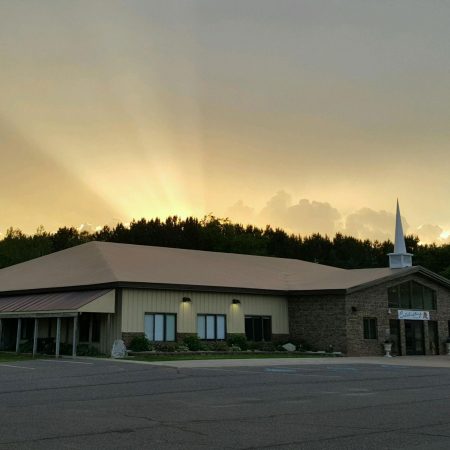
(26, 347)
(182, 348)
(193, 343)
(88, 350)
(166, 347)
(238, 340)
(302, 346)
(218, 346)
(140, 344)
(262, 346)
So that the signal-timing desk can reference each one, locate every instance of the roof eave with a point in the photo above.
(237, 290)
(140, 285)
(400, 274)
(303, 292)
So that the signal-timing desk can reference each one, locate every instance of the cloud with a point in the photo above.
(309, 216)
(241, 213)
(313, 217)
(304, 217)
(367, 223)
(429, 233)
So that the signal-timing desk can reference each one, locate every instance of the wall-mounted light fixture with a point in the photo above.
(236, 301)
(186, 300)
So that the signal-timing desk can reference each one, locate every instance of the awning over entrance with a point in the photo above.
(58, 303)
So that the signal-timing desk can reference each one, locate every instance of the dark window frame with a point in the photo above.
(215, 338)
(262, 318)
(164, 325)
(370, 328)
(395, 299)
(89, 326)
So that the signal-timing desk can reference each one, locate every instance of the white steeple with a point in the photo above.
(400, 258)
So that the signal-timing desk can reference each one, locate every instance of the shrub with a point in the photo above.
(166, 347)
(140, 344)
(262, 346)
(218, 346)
(304, 346)
(88, 350)
(238, 340)
(193, 343)
(182, 348)
(26, 347)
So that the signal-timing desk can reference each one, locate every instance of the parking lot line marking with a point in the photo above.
(69, 362)
(17, 367)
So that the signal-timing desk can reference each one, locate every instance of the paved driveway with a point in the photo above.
(92, 404)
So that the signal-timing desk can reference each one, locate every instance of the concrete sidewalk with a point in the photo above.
(412, 361)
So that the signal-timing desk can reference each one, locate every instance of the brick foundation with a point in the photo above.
(128, 337)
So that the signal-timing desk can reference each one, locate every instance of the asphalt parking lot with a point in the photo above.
(92, 404)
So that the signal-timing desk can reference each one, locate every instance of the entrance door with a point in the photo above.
(394, 328)
(414, 337)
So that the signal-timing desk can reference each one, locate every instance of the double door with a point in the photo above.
(414, 337)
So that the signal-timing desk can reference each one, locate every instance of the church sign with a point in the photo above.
(407, 314)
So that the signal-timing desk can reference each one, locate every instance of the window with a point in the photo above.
(211, 326)
(160, 327)
(412, 295)
(258, 328)
(370, 328)
(89, 328)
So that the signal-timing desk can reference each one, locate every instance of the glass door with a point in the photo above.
(414, 337)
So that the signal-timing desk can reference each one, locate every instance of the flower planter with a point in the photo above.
(387, 349)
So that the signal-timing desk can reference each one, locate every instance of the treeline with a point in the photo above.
(221, 235)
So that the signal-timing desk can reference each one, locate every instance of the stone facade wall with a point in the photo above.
(128, 337)
(373, 302)
(318, 320)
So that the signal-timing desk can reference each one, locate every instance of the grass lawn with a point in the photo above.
(9, 357)
(181, 356)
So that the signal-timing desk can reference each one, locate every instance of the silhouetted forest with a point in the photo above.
(220, 235)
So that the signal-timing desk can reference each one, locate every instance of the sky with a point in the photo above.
(314, 116)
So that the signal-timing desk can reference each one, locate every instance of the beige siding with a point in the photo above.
(103, 304)
(137, 302)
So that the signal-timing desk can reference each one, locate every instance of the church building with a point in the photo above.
(98, 292)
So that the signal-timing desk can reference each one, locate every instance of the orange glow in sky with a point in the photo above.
(303, 115)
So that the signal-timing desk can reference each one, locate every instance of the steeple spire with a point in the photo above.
(400, 258)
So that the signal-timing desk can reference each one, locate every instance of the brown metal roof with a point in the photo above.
(108, 264)
(64, 301)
